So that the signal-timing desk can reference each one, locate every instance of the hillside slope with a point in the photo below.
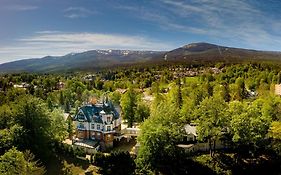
(97, 59)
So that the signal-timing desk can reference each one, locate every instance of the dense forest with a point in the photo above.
(234, 104)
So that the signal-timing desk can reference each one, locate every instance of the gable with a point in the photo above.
(94, 113)
(80, 116)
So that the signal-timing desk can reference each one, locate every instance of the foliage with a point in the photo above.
(67, 169)
(128, 104)
(249, 124)
(236, 105)
(115, 97)
(32, 126)
(58, 125)
(32, 114)
(174, 96)
(16, 162)
(142, 112)
(159, 137)
(119, 163)
(212, 120)
(275, 130)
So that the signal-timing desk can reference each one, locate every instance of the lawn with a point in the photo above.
(56, 164)
(123, 145)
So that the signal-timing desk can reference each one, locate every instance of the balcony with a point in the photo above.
(111, 131)
(81, 128)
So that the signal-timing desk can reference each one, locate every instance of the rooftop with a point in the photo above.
(94, 112)
(190, 129)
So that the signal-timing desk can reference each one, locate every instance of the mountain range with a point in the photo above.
(98, 59)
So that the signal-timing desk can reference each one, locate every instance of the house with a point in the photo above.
(60, 85)
(89, 77)
(277, 89)
(99, 122)
(121, 91)
(190, 130)
(22, 86)
(193, 145)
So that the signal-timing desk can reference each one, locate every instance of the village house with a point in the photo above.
(60, 85)
(277, 89)
(191, 143)
(99, 122)
(191, 133)
(22, 86)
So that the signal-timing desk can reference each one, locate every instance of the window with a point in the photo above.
(81, 116)
(98, 127)
(108, 119)
(93, 126)
(98, 136)
(108, 128)
(81, 126)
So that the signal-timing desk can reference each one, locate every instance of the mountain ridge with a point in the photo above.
(97, 59)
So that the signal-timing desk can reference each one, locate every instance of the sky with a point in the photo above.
(37, 28)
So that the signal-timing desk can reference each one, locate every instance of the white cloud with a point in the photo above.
(235, 21)
(48, 32)
(60, 43)
(77, 12)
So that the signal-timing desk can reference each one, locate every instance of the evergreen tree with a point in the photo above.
(61, 98)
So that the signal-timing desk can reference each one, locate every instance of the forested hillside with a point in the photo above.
(230, 103)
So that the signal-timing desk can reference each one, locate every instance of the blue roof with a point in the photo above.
(92, 112)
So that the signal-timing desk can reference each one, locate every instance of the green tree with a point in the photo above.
(234, 92)
(32, 114)
(241, 87)
(70, 127)
(58, 125)
(142, 111)
(9, 137)
(6, 117)
(67, 107)
(61, 98)
(40, 128)
(6, 140)
(16, 162)
(221, 91)
(263, 89)
(275, 134)
(187, 109)
(128, 104)
(159, 137)
(119, 163)
(249, 124)
(115, 97)
(34, 167)
(174, 95)
(50, 103)
(278, 78)
(213, 119)
(68, 169)
(275, 130)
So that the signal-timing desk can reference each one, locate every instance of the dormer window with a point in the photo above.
(108, 119)
(80, 116)
(81, 126)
